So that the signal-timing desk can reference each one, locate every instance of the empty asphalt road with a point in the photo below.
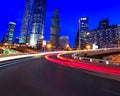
(35, 76)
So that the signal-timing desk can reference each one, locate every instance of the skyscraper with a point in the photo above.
(82, 32)
(38, 21)
(118, 31)
(104, 23)
(105, 36)
(26, 22)
(119, 36)
(10, 34)
(63, 41)
(54, 35)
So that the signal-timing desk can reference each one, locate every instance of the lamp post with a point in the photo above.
(88, 46)
(49, 46)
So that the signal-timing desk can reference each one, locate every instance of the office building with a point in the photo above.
(119, 36)
(82, 32)
(10, 35)
(104, 23)
(54, 34)
(38, 21)
(26, 24)
(63, 42)
(119, 31)
(105, 36)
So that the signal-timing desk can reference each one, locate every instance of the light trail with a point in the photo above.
(17, 59)
(27, 55)
(83, 65)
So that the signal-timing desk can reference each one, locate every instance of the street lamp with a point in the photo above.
(49, 46)
(67, 46)
(88, 46)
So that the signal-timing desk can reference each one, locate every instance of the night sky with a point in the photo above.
(69, 13)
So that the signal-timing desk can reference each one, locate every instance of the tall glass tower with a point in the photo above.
(26, 22)
(38, 21)
(81, 39)
(54, 37)
(83, 26)
(11, 30)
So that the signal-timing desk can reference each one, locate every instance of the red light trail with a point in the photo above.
(82, 65)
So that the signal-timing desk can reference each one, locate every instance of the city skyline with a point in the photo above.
(69, 15)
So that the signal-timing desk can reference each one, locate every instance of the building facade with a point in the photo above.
(9, 38)
(119, 36)
(104, 23)
(82, 32)
(63, 42)
(38, 21)
(105, 36)
(54, 34)
(26, 24)
(118, 31)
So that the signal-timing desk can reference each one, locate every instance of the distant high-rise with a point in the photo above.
(77, 41)
(54, 35)
(104, 23)
(38, 21)
(105, 36)
(63, 41)
(10, 34)
(26, 22)
(119, 31)
(119, 36)
(82, 32)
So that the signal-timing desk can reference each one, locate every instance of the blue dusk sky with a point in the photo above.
(69, 12)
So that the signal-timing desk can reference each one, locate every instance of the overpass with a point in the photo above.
(104, 55)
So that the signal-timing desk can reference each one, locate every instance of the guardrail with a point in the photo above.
(109, 63)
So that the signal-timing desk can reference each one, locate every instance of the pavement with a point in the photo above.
(35, 76)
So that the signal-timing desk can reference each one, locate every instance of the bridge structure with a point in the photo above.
(106, 56)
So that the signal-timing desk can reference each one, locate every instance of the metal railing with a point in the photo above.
(101, 62)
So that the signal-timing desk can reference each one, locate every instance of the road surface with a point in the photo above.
(36, 76)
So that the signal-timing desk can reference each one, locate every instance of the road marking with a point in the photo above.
(4, 64)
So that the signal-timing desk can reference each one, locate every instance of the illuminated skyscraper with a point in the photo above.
(54, 37)
(26, 22)
(38, 21)
(82, 32)
(105, 35)
(10, 34)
